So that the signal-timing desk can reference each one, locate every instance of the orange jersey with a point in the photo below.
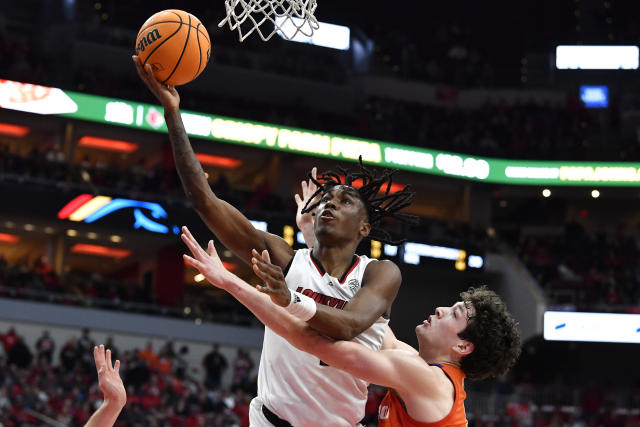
(393, 414)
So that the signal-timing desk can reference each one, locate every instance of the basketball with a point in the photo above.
(176, 44)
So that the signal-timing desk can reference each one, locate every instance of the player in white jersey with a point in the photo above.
(346, 215)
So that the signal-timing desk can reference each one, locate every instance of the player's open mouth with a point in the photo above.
(327, 214)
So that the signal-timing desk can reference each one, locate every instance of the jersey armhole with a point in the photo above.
(286, 269)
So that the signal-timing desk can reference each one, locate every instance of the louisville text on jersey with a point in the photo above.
(322, 299)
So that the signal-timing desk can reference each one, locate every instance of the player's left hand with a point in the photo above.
(109, 379)
(274, 282)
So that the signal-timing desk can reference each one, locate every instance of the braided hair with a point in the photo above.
(378, 202)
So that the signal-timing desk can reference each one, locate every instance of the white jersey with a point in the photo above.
(296, 385)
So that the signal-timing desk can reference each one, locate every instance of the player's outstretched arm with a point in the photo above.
(391, 368)
(109, 381)
(230, 226)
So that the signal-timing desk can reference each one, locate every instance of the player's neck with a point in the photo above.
(433, 357)
(335, 260)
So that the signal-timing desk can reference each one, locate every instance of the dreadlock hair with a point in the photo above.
(379, 203)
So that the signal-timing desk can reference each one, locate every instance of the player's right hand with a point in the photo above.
(109, 379)
(274, 283)
(167, 95)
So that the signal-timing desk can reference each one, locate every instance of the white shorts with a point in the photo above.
(256, 417)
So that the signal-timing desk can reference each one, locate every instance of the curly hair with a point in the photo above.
(493, 332)
(378, 206)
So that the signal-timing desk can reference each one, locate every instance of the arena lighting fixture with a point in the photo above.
(9, 238)
(595, 96)
(591, 327)
(104, 251)
(413, 251)
(595, 194)
(13, 130)
(218, 161)
(546, 193)
(107, 144)
(596, 57)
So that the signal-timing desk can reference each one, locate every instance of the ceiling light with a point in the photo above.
(105, 251)
(546, 193)
(218, 161)
(107, 144)
(9, 238)
(13, 130)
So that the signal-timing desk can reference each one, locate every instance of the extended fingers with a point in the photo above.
(98, 355)
(191, 243)
(193, 262)
(265, 256)
(212, 249)
(264, 261)
(262, 273)
(109, 365)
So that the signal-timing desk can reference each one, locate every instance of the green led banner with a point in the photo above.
(54, 101)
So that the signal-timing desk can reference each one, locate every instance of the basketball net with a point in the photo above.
(268, 17)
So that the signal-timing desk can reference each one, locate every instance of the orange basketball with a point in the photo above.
(176, 44)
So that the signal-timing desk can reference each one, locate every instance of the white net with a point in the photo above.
(268, 17)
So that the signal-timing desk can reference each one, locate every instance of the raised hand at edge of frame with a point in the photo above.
(109, 379)
(305, 221)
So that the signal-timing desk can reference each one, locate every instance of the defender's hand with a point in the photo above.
(109, 379)
(305, 221)
(209, 264)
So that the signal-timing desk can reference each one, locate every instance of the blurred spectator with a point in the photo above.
(69, 354)
(215, 364)
(9, 339)
(242, 367)
(19, 354)
(45, 347)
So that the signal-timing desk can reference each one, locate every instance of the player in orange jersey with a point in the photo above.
(475, 338)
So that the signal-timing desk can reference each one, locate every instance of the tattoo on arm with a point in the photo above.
(193, 178)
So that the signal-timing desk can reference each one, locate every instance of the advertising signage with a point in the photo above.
(54, 101)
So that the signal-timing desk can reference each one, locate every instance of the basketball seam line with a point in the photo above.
(163, 42)
(186, 42)
(199, 52)
(177, 22)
